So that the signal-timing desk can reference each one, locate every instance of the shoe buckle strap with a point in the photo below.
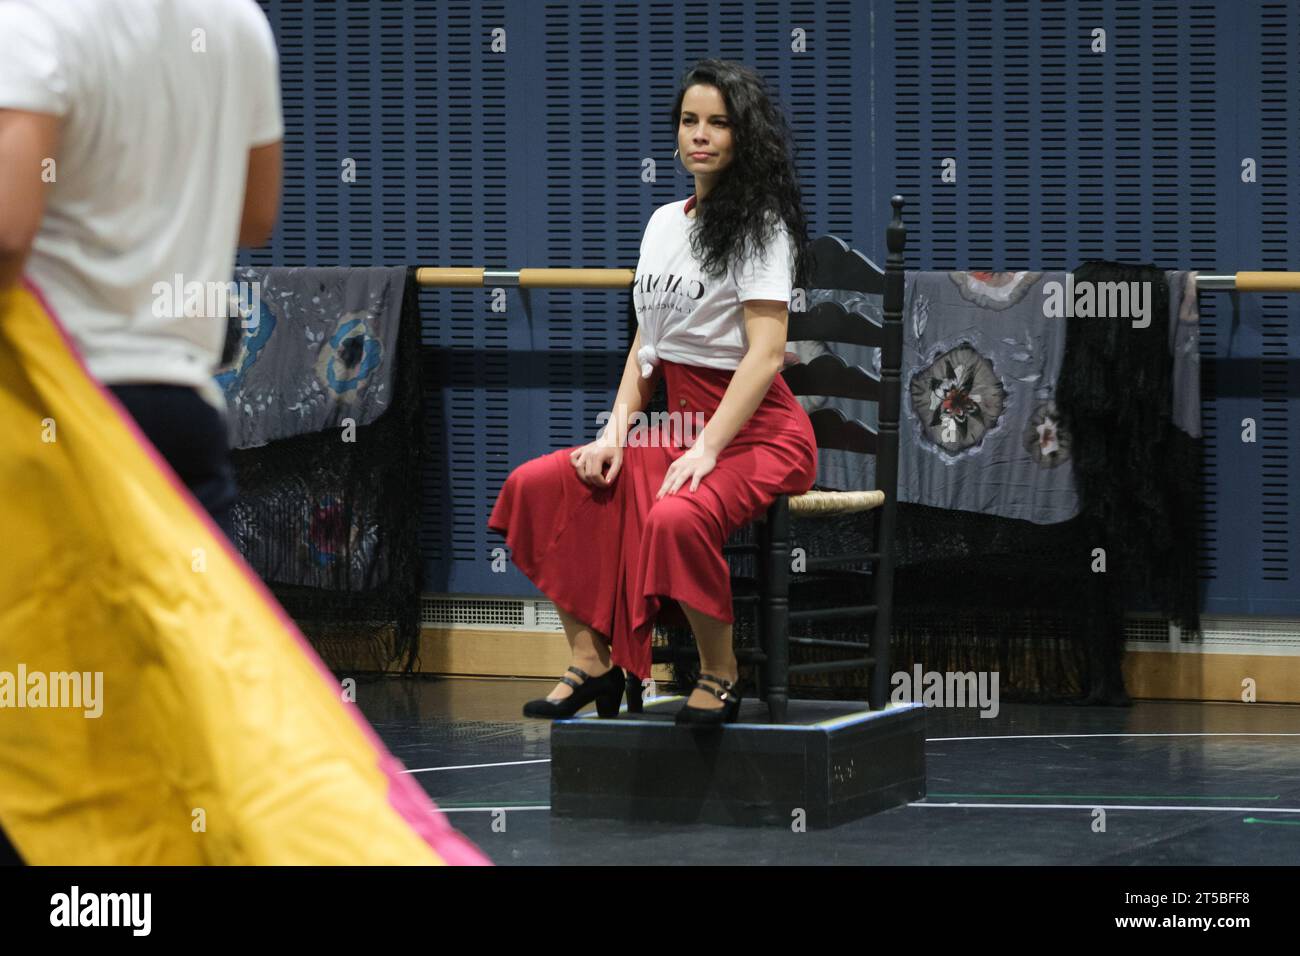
(722, 695)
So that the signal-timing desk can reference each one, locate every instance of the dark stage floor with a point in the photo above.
(1180, 783)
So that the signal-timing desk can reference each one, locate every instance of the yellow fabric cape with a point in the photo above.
(221, 736)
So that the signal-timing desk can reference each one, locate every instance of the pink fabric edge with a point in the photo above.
(406, 797)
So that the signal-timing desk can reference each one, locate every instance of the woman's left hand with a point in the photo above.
(697, 462)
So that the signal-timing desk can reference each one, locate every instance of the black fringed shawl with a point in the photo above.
(1139, 476)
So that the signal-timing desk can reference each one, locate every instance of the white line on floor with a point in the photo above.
(934, 740)
(489, 809)
(929, 740)
(979, 806)
(1102, 806)
(474, 766)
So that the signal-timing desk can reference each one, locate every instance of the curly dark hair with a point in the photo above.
(760, 179)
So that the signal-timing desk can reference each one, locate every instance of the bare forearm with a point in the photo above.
(633, 394)
(745, 392)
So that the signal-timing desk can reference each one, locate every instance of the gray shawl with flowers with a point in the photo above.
(314, 352)
(978, 427)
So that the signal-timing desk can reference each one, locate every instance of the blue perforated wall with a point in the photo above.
(513, 134)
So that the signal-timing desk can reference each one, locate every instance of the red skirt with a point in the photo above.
(617, 559)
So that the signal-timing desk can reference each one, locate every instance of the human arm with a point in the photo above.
(633, 395)
(261, 194)
(261, 202)
(765, 328)
(27, 141)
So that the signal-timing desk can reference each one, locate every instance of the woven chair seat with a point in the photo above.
(835, 502)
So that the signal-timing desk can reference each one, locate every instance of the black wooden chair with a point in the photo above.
(836, 266)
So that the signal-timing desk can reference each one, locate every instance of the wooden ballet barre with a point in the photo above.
(1250, 282)
(478, 277)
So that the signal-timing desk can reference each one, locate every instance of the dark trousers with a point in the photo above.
(191, 435)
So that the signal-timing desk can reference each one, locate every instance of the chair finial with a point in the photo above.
(896, 234)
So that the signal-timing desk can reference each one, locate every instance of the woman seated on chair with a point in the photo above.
(629, 529)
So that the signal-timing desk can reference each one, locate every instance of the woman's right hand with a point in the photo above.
(591, 460)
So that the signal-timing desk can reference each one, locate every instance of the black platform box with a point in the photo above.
(834, 760)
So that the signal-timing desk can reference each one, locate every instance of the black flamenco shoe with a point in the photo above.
(726, 714)
(606, 690)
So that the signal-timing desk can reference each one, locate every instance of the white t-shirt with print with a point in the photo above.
(688, 317)
(161, 101)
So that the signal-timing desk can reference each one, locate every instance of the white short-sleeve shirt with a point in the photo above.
(161, 101)
(689, 317)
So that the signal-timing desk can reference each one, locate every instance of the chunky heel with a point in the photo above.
(634, 694)
(607, 703)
